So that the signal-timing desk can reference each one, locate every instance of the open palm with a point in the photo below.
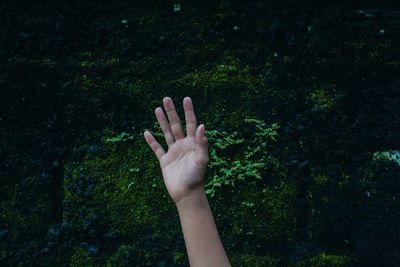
(185, 163)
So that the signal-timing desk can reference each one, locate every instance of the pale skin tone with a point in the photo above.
(183, 168)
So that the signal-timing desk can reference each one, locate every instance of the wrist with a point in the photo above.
(196, 198)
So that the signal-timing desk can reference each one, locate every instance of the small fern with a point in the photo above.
(224, 170)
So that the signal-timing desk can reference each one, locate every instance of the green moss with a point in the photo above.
(180, 258)
(123, 190)
(276, 213)
(254, 261)
(80, 258)
(230, 74)
(123, 256)
(327, 260)
(322, 100)
(320, 179)
(18, 223)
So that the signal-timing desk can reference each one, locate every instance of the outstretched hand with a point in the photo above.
(184, 165)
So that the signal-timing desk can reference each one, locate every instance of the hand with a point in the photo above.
(184, 165)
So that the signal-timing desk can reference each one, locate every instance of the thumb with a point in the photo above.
(201, 137)
(202, 141)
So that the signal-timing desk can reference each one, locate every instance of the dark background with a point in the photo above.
(300, 100)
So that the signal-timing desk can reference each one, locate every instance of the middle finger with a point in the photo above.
(175, 122)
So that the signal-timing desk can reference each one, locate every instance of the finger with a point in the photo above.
(174, 121)
(169, 137)
(190, 117)
(202, 143)
(155, 146)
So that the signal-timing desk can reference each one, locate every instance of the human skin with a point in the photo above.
(183, 168)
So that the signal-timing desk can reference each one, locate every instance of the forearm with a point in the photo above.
(202, 241)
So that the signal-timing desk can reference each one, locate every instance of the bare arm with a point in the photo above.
(183, 168)
(202, 241)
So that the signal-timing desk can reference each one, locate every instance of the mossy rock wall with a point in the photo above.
(299, 99)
